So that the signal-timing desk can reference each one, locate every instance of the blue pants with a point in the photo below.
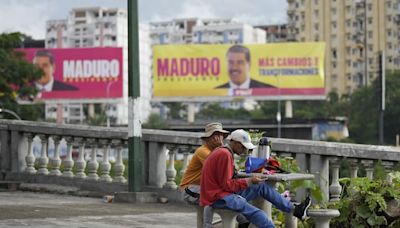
(239, 202)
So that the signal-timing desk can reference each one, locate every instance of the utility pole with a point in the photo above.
(381, 75)
(135, 161)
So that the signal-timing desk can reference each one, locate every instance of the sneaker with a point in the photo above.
(300, 210)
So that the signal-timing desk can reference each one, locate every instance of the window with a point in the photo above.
(369, 6)
(370, 47)
(370, 34)
(348, 23)
(334, 54)
(389, 32)
(316, 14)
(370, 61)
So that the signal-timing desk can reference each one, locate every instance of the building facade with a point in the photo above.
(102, 27)
(355, 33)
(275, 33)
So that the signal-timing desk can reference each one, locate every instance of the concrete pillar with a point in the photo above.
(319, 166)
(322, 217)
(60, 113)
(157, 158)
(190, 112)
(19, 149)
(91, 110)
(5, 150)
(302, 162)
(288, 109)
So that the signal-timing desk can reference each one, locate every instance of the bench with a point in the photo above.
(228, 217)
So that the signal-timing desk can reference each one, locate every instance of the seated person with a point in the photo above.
(220, 189)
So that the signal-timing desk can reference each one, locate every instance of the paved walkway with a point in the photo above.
(29, 209)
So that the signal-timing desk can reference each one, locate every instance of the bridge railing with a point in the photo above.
(82, 165)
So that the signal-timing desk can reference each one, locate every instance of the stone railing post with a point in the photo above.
(186, 155)
(119, 166)
(171, 171)
(30, 159)
(353, 167)
(93, 165)
(369, 168)
(388, 165)
(80, 163)
(301, 160)
(105, 165)
(68, 161)
(55, 161)
(335, 189)
(157, 164)
(319, 166)
(43, 160)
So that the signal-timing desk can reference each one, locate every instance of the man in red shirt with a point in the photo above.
(220, 189)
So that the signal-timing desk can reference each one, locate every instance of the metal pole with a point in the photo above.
(383, 88)
(108, 102)
(278, 115)
(10, 112)
(135, 180)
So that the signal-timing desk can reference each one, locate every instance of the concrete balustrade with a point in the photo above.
(159, 147)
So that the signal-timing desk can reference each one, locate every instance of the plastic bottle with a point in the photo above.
(247, 165)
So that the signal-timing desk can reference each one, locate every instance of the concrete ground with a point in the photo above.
(34, 209)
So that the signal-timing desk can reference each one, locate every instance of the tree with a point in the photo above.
(216, 111)
(155, 122)
(392, 112)
(16, 75)
(176, 110)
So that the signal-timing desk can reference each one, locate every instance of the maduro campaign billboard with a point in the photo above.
(254, 70)
(78, 73)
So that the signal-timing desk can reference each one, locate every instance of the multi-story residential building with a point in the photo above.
(103, 27)
(275, 33)
(355, 33)
(207, 31)
(204, 31)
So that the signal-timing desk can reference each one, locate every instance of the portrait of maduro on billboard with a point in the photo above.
(262, 70)
(77, 73)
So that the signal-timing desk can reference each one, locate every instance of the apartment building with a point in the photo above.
(275, 33)
(204, 31)
(101, 27)
(355, 33)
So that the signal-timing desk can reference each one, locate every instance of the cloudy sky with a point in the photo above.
(29, 16)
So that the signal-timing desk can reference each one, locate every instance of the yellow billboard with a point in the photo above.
(294, 69)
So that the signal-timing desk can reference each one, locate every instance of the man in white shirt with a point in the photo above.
(238, 57)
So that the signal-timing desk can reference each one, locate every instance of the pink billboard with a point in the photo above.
(78, 73)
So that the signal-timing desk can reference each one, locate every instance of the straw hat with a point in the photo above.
(213, 127)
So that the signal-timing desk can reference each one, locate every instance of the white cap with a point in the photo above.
(243, 137)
